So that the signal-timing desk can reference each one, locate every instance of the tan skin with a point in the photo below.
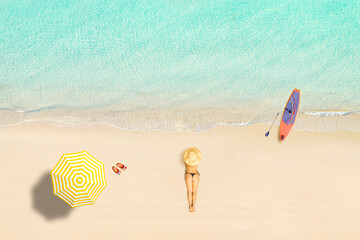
(192, 183)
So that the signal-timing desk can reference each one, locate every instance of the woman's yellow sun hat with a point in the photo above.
(192, 156)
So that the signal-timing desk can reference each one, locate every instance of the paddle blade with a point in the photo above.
(267, 134)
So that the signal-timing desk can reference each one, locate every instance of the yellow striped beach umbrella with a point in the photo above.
(78, 179)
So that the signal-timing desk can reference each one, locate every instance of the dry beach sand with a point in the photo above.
(251, 187)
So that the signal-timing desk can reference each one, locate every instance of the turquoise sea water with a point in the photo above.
(179, 65)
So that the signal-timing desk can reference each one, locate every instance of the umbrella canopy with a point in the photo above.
(78, 179)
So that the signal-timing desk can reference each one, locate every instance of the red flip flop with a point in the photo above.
(121, 166)
(116, 170)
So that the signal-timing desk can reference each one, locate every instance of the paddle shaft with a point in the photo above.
(273, 121)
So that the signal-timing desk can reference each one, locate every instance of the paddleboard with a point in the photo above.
(289, 115)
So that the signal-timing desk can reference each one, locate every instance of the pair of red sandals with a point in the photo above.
(118, 167)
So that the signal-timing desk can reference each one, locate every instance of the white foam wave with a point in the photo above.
(330, 113)
(177, 121)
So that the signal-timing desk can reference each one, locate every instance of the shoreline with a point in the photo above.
(176, 120)
(216, 125)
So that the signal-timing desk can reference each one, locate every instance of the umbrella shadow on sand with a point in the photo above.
(45, 202)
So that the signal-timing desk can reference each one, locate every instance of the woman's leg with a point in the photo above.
(195, 184)
(188, 181)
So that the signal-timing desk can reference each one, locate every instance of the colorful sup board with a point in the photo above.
(289, 115)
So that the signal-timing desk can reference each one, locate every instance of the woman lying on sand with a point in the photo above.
(192, 158)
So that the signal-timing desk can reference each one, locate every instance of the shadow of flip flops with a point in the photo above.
(45, 202)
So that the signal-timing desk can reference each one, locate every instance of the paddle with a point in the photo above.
(268, 132)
